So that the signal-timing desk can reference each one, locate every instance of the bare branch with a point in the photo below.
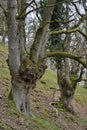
(79, 79)
(63, 31)
(79, 22)
(59, 21)
(20, 15)
(36, 9)
(5, 12)
(79, 30)
(81, 15)
(72, 30)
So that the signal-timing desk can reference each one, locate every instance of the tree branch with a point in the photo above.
(63, 31)
(5, 13)
(82, 33)
(81, 15)
(36, 9)
(67, 55)
(22, 12)
(79, 79)
(72, 30)
(59, 21)
(84, 79)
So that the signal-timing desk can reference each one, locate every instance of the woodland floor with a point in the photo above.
(47, 116)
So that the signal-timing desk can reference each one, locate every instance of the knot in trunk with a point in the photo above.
(30, 71)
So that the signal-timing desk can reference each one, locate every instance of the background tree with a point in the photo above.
(67, 70)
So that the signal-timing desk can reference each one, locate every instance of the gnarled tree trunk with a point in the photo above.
(25, 72)
(21, 93)
(67, 89)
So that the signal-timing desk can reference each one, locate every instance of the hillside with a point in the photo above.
(47, 116)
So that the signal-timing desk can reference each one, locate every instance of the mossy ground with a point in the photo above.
(47, 116)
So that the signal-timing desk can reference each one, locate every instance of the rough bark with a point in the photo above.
(29, 73)
(14, 57)
(21, 93)
(67, 89)
(67, 93)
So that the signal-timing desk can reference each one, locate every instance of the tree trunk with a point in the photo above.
(65, 85)
(21, 29)
(21, 93)
(67, 93)
(20, 88)
(37, 49)
(14, 55)
(25, 72)
(67, 89)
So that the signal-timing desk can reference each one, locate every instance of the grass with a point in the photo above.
(5, 126)
(50, 78)
(39, 122)
(81, 95)
(44, 124)
(4, 74)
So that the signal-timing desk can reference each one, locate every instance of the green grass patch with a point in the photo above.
(4, 73)
(39, 122)
(5, 126)
(43, 124)
(50, 75)
(50, 79)
(3, 48)
(81, 95)
(78, 119)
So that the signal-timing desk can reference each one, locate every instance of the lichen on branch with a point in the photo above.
(63, 31)
(67, 55)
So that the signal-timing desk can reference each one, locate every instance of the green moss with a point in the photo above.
(30, 71)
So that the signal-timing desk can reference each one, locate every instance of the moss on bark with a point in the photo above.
(30, 71)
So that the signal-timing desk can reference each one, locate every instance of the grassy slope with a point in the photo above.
(47, 117)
